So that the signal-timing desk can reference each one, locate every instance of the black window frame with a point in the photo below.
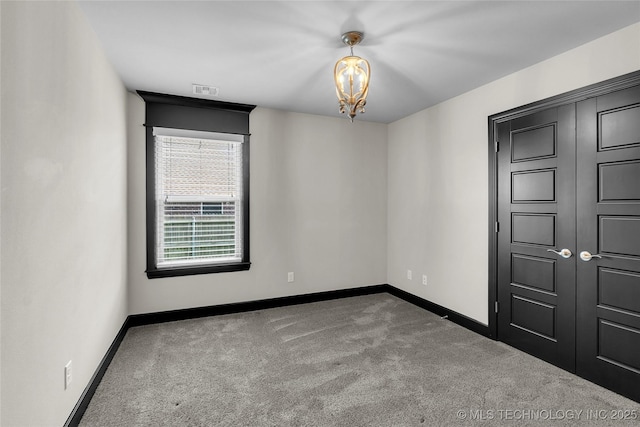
(179, 112)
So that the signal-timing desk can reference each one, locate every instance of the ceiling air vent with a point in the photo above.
(205, 90)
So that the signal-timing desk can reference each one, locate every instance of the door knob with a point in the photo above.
(564, 253)
(586, 256)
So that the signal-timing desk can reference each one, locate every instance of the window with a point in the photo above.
(197, 190)
(198, 186)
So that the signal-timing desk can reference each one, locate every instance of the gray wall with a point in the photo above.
(438, 173)
(63, 225)
(318, 209)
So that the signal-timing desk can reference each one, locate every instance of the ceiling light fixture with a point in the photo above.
(351, 75)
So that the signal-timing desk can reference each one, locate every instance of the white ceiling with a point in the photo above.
(280, 54)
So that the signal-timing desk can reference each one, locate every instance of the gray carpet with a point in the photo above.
(372, 360)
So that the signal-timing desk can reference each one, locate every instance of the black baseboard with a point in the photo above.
(87, 394)
(455, 317)
(240, 307)
(216, 310)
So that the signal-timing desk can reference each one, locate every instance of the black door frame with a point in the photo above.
(611, 85)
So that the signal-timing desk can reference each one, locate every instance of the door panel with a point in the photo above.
(532, 272)
(533, 229)
(534, 186)
(619, 235)
(610, 335)
(533, 316)
(618, 289)
(536, 213)
(619, 181)
(619, 127)
(608, 218)
(533, 143)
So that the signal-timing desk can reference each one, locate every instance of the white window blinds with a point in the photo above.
(198, 197)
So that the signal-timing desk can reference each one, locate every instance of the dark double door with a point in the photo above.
(569, 237)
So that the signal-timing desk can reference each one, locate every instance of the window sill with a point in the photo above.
(193, 270)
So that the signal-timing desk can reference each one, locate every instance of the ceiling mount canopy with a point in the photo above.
(352, 38)
(351, 75)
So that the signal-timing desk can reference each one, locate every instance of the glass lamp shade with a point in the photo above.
(351, 75)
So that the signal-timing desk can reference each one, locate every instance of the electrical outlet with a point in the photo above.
(409, 274)
(424, 279)
(68, 377)
(290, 277)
